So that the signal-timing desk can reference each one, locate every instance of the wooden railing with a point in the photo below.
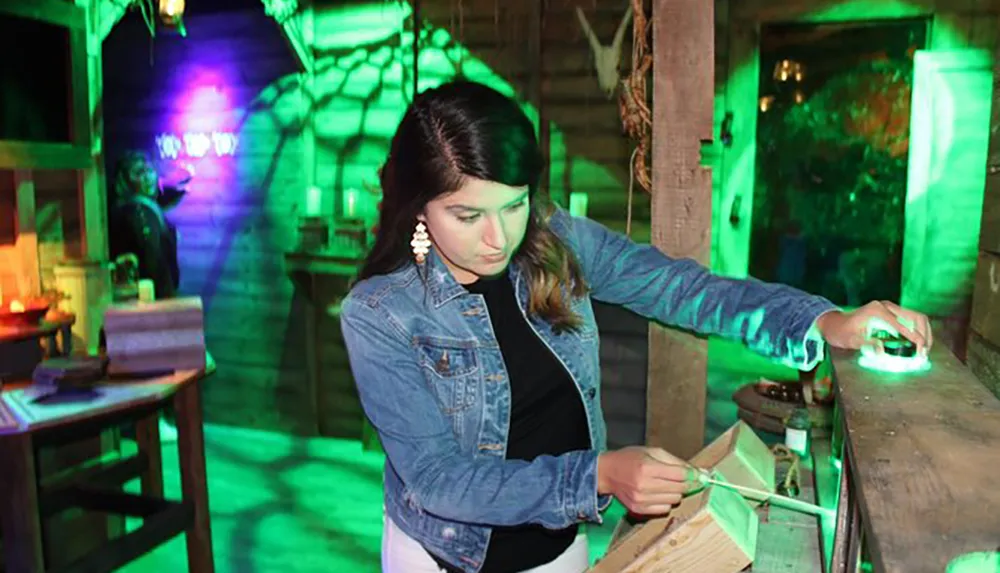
(921, 456)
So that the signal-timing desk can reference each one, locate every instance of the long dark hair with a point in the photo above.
(122, 186)
(466, 130)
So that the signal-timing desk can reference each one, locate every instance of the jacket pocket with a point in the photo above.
(452, 367)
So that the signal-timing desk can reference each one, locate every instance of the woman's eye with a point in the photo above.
(468, 218)
(513, 208)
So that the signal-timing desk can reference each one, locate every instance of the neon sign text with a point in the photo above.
(196, 144)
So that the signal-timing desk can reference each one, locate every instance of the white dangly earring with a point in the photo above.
(421, 243)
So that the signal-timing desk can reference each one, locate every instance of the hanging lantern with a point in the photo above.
(172, 14)
(789, 70)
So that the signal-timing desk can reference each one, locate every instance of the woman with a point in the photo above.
(473, 344)
(137, 224)
(137, 227)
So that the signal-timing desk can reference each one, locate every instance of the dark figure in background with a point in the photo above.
(137, 224)
(793, 253)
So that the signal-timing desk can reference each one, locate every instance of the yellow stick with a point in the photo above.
(768, 497)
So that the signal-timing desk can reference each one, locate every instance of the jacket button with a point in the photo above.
(448, 533)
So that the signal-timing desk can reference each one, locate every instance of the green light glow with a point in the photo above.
(952, 100)
(872, 360)
(363, 83)
(982, 562)
(357, 25)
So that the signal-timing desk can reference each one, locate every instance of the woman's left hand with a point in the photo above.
(850, 329)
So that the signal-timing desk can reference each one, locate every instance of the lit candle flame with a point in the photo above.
(16, 306)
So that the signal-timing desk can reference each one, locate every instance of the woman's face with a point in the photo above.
(144, 178)
(477, 229)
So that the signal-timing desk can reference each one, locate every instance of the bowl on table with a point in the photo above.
(30, 313)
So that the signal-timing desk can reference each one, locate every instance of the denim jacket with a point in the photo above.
(432, 380)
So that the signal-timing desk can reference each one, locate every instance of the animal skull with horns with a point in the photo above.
(606, 58)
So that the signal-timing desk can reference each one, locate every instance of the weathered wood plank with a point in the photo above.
(986, 301)
(26, 246)
(683, 85)
(989, 234)
(923, 447)
(984, 361)
(788, 540)
(818, 10)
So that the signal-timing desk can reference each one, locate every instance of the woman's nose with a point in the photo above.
(495, 235)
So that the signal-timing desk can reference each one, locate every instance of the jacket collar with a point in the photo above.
(442, 284)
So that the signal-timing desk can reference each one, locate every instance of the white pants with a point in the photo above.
(403, 554)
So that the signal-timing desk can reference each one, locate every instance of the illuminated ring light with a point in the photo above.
(896, 364)
(983, 562)
(891, 360)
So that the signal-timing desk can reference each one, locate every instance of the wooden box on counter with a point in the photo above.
(741, 457)
(712, 531)
(151, 337)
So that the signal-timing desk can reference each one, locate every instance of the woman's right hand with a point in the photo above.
(648, 481)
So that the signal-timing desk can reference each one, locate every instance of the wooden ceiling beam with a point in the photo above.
(109, 13)
(52, 11)
(296, 26)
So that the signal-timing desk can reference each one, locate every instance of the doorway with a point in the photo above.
(833, 129)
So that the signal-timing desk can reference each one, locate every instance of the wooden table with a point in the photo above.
(18, 361)
(919, 475)
(59, 325)
(27, 425)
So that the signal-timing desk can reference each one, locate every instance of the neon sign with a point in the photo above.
(196, 144)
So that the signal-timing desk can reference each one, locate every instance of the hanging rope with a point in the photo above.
(783, 454)
(461, 40)
(637, 119)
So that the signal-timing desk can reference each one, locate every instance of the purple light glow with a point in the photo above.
(204, 127)
(196, 144)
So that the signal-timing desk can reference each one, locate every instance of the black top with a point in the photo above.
(547, 417)
(137, 226)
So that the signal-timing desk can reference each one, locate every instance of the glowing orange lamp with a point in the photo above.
(172, 13)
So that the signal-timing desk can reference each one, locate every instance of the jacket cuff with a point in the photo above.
(804, 345)
(585, 505)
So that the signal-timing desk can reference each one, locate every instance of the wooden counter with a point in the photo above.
(324, 278)
(921, 453)
(31, 497)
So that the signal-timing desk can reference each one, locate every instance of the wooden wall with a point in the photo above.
(954, 26)
(241, 213)
(588, 152)
(56, 231)
(8, 234)
(984, 332)
(233, 73)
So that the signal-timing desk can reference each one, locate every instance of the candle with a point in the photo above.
(314, 201)
(351, 199)
(578, 204)
(147, 290)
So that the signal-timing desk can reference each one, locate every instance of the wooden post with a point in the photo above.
(89, 85)
(29, 276)
(536, 87)
(984, 328)
(683, 93)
